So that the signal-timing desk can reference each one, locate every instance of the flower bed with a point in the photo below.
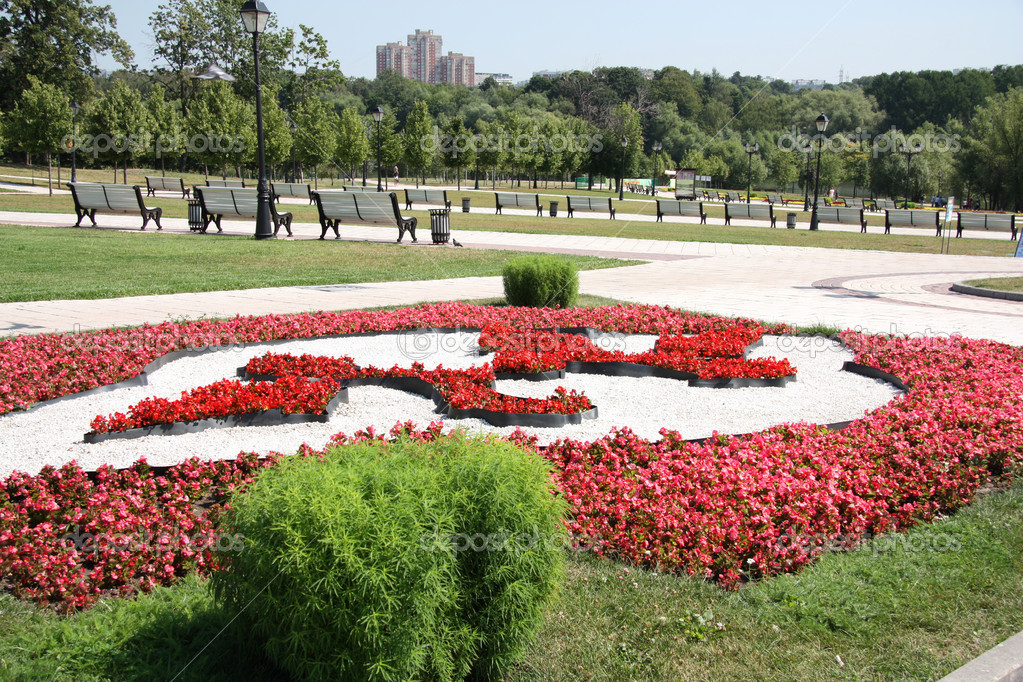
(730, 508)
(307, 383)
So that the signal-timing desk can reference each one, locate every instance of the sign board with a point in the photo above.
(1019, 248)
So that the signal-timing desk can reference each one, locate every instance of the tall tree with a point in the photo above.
(167, 126)
(180, 29)
(316, 134)
(40, 121)
(352, 148)
(995, 141)
(457, 148)
(121, 125)
(418, 152)
(311, 72)
(221, 126)
(389, 141)
(55, 41)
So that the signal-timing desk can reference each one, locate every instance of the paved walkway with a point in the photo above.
(871, 290)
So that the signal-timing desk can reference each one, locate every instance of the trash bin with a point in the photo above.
(440, 225)
(554, 209)
(790, 221)
(465, 205)
(194, 215)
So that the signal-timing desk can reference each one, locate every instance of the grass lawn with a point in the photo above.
(924, 242)
(999, 283)
(913, 606)
(41, 263)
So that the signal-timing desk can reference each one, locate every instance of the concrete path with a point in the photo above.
(871, 290)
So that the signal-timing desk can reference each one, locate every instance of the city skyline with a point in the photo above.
(786, 42)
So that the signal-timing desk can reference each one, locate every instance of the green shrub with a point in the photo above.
(541, 282)
(386, 561)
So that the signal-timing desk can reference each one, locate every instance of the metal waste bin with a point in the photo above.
(440, 225)
(194, 215)
(465, 205)
(790, 221)
(554, 209)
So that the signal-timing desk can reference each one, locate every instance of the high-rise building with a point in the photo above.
(422, 60)
(426, 53)
(396, 57)
(458, 69)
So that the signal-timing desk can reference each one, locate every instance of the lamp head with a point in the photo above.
(378, 113)
(822, 123)
(254, 16)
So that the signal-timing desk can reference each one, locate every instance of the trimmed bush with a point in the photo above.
(397, 560)
(541, 282)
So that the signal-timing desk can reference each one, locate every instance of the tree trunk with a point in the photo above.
(124, 174)
(49, 173)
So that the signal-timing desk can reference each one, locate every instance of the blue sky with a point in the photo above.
(781, 39)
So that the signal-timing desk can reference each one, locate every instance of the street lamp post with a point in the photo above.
(751, 149)
(657, 147)
(806, 179)
(822, 125)
(939, 184)
(908, 152)
(478, 137)
(378, 115)
(254, 16)
(294, 166)
(621, 181)
(75, 108)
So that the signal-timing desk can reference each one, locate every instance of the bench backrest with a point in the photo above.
(900, 216)
(590, 203)
(358, 188)
(290, 189)
(89, 195)
(986, 221)
(377, 207)
(430, 196)
(885, 204)
(516, 199)
(694, 208)
(774, 199)
(222, 200)
(121, 197)
(214, 182)
(839, 214)
(734, 196)
(336, 205)
(742, 210)
(160, 182)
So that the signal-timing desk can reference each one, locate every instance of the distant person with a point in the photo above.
(396, 174)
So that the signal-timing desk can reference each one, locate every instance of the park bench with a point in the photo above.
(1001, 222)
(217, 202)
(378, 208)
(595, 204)
(865, 204)
(692, 209)
(885, 205)
(778, 199)
(732, 196)
(897, 217)
(290, 189)
(754, 211)
(689, 194)
(215, 182)
(93, 197)
(516, 200)
(842, 215)
(154, 183)
(358, 188)
(427, 196)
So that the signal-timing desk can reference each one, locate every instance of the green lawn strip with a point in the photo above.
(998, 283)
(57, 263)
(909, 606)
(922, 242)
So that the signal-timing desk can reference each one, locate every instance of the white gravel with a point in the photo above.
(822, 394)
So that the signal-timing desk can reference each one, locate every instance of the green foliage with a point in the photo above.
(541, 282)
(277, 137)
(55, 41)
(41, 119)
(316, 134)
(167, 124)
(352, 145)
(399, 560)
(418, 154)
(180, 29)
(457, 147)
(995, 149)
(221, 124)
